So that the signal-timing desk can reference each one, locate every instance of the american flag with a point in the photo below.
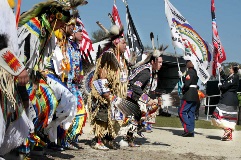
(218, 51)
(115, 15)
(86, 43)
(117, 20)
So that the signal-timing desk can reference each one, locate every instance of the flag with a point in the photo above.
(176, 35)
(117, 20)
(115, 15)
(218, 51)
(134, 41)
(86, 43)
(187, 39)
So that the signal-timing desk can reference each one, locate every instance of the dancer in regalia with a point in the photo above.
(37, 41)
(73, 80)
(109, 82)
(14, 123)
(225, 114)
(141, 81)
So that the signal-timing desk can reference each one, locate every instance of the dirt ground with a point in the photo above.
(162, 143)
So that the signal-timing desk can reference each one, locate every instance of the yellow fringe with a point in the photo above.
(118, 88)
(7, 85)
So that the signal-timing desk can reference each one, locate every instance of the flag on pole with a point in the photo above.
(176, 35)
(187, 39)
(117, 20)
(134, 41)
(218, 51)
(115, 15)
(86, 43)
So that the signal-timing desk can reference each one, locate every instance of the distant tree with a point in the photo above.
(98, 35)
(147, 47)
(227, 65)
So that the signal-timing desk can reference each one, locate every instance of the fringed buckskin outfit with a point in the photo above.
(107, 66)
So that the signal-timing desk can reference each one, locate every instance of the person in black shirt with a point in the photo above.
(189, 100)
(225, 114)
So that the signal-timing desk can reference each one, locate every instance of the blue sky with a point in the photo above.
(149, 16)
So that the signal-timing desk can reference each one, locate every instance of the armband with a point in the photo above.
(101, 85)
(10, 62)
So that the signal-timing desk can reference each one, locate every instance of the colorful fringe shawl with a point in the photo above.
(43, 101)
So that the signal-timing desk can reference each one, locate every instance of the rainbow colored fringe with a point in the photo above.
(36, 140)
(79, 120)
(25, 147)
(33, 26)
(44, 103)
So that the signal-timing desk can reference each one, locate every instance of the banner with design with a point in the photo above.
(187, 39)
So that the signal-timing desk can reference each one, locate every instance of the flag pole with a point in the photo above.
(175, 51)
(111, 19)
(157, 42)
(125, 2)
(178, 65)
(177, 59)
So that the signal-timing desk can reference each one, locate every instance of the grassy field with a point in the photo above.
(174, 121)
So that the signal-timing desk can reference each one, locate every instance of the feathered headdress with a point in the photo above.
(112, 37)
(113, 33)
(65, 5)
(146, 57)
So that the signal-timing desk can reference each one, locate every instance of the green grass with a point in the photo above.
(174, 121)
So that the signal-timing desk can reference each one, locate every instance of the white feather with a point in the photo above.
(115, 30)
(16, 133)
(167, 100)
(239, 71)
(8, 25)
(157, 53)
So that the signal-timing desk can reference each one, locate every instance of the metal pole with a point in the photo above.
(208, 106)
(177, 61)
